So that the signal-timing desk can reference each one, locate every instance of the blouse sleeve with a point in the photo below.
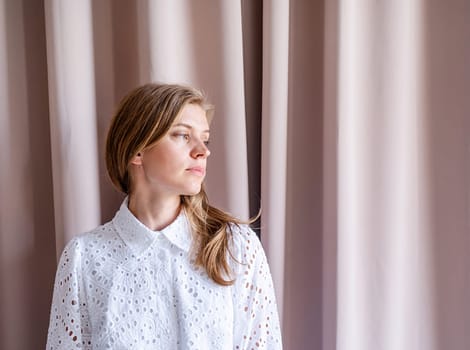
(69, 325)
(255, 310)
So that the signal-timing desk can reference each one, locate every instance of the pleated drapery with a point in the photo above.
(347, 122)
(274, 136)
(403, 176)
(72, 110)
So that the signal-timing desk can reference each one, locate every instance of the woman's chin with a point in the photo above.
(193, 190)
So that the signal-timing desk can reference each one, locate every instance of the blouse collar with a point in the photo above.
(139, 237)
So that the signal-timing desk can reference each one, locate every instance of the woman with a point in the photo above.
(169, 271)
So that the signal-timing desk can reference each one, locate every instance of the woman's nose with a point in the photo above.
(201, 150)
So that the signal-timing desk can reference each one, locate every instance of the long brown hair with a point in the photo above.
(142, 118)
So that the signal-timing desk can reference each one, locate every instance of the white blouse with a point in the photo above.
(124, 286)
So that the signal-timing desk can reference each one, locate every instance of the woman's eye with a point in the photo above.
(183, 136)
(207, 142)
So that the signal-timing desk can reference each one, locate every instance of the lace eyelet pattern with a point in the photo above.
(123, 286)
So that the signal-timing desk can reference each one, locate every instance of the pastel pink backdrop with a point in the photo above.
(348, 122)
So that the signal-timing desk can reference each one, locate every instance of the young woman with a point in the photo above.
(169, 271)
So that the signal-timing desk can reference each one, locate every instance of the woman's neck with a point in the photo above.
(154, 212)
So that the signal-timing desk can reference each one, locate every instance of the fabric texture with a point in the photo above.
(124, 286)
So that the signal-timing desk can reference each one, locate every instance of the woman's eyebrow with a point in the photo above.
(187, 126)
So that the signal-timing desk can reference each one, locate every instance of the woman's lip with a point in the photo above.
(197, 170)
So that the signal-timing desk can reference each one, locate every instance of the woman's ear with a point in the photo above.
(137, 159)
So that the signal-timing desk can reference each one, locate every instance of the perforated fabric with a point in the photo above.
(123, 286)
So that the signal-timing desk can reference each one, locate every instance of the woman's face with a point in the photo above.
(176, 164)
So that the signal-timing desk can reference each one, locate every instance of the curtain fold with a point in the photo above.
(303, 297)
(274, 137)
(72, 117)
(388, 265)
(27, 237)
(165, 41)
(383, 252)
(330, 176)
(446, 107)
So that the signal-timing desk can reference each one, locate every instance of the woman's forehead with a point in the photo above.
(192, 115)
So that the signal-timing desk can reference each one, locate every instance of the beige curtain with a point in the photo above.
(348, 122)
(403, 175)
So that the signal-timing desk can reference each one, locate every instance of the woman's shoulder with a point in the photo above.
(241, 233)
(93, 237)
(245, 242)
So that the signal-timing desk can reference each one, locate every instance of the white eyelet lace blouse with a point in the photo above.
(123, 286)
